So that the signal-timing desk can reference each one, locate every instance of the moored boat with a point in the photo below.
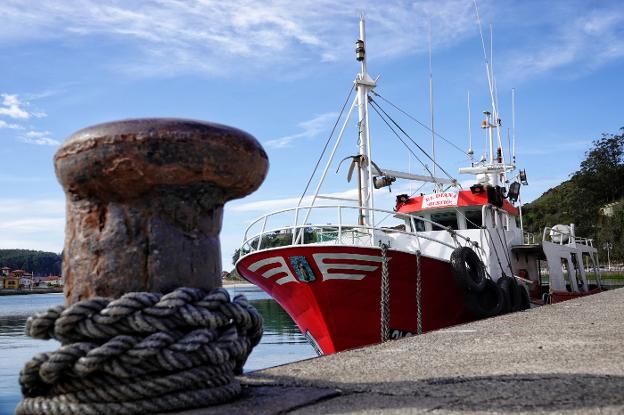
(453, 255)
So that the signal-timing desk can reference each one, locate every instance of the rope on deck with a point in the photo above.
(141, 353)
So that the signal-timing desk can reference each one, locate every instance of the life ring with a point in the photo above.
(487, 303)
(468, 270)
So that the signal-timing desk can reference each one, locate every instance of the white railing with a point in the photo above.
(569, 238)
(529, 238)
(340, 232)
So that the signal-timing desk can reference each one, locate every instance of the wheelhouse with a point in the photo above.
(467, 209)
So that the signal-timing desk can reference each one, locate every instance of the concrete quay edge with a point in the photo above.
(566, 358)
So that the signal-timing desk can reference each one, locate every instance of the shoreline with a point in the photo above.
(4, 292)
(237, 284)
(7, 292)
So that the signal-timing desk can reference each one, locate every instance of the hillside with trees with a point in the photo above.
(592, 199)
(38, 262)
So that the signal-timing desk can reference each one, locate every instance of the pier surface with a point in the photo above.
(565, 358)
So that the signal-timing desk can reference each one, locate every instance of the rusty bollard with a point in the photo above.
(145, 203)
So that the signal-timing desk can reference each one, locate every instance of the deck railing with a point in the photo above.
(341, 233)
(569, 238)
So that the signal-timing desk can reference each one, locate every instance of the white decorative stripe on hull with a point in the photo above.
(281, 269)
(326, 268)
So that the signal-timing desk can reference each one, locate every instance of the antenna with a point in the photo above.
(433, 154)
(470, 150)
(513, 126)
(509, 144)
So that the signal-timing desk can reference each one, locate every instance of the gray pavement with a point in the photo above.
(566, 358)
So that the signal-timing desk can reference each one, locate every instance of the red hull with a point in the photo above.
(560, 296)
(340, 308)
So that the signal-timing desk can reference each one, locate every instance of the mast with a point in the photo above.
(364, 83)
(433, 154)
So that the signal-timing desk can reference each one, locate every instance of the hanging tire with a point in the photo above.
(504, 283)
(515, 295)
(468, 270)
(487, 303)
(525, 301)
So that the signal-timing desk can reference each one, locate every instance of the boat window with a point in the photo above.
(446, 219)
(473, 219)
(419, 224)
(565, 268)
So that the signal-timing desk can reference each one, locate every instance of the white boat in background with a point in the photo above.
(453, 255)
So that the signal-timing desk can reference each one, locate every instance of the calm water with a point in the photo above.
(281, 343)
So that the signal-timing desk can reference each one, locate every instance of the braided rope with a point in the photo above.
(141, 353)
(384, 302)
(418, 294)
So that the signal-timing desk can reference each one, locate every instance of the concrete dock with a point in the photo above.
(566, 358)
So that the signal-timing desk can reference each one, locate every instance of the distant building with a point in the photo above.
(18, 278)
(10, 282)
(53, 281)
(26, 281)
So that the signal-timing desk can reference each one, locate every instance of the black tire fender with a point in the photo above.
(525, 301)
(487, 303)
(515, 295)
(504, 283)
(468, 270)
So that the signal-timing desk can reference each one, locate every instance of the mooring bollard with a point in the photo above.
(145, 200)
(145, 327)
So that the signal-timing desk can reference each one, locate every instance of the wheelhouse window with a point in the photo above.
(446, 219)
(473, 219)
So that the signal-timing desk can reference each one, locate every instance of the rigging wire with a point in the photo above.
(318, 162)
(425, 126)
(375, 104)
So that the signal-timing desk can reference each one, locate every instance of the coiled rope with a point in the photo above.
(141, 353)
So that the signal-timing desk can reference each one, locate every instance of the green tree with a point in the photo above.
(598, 181)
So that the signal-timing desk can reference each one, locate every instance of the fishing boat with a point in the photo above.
(454, 254)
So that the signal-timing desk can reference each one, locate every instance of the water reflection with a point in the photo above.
(281, 343)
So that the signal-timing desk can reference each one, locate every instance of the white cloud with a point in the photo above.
(214, 37)
(15, 108)
(4, 124)
(578, 44)
(288, 202)
(32, 223)
(310, 129)
(12, 107)
(40, 138)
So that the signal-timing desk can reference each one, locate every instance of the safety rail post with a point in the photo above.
(339, 225)
(264, 221)
(484, 216)
(294, 229)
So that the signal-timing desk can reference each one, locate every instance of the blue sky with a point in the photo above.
(280, 70)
